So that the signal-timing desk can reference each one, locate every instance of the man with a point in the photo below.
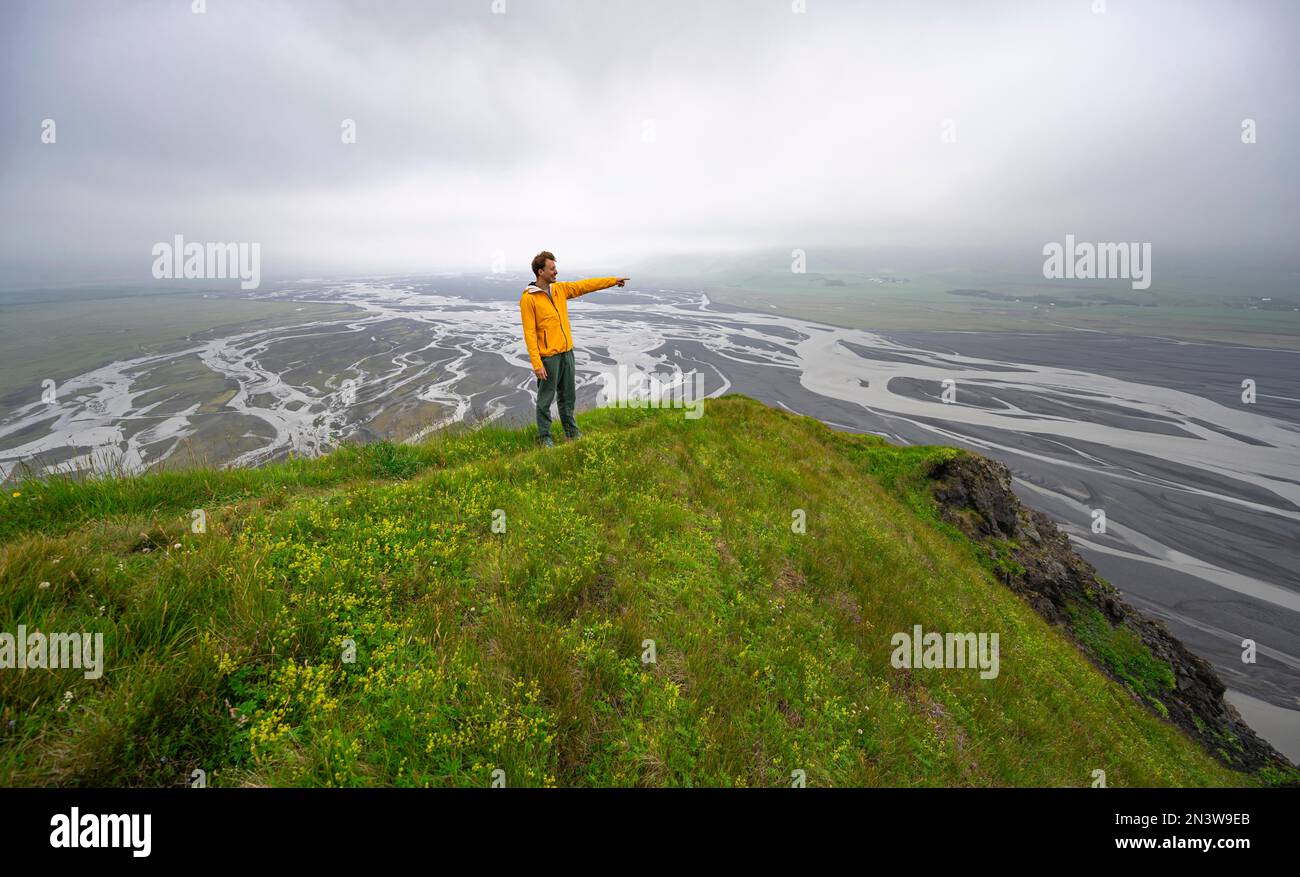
(544, 308)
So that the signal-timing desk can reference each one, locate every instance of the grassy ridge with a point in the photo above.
(523, 650)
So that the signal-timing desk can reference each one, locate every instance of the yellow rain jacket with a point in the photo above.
(546, 317)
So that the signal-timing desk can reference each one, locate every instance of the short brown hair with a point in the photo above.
(539, 261)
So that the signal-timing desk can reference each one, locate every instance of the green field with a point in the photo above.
(1192, 308)
(61, 333)
(524, 648)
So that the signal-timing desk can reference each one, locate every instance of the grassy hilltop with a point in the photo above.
(523, 650)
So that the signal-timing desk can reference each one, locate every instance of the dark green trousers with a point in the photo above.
(559, 379)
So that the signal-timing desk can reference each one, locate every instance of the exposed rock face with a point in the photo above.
(1037, 561)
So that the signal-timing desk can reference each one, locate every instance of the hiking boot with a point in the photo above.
(573, 438)
(547, 442)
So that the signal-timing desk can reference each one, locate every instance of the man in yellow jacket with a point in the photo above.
(544, 308)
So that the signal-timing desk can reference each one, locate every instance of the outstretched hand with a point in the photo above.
(622, 280)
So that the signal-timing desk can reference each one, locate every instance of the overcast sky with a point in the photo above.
(609, 129)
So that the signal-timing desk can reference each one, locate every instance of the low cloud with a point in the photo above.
(602, 130)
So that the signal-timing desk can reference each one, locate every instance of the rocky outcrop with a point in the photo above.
(1036, 560)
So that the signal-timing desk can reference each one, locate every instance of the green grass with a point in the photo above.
(499, 600)
(57, 504)
(1123, 651)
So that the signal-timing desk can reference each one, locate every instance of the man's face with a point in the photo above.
(549, 273)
